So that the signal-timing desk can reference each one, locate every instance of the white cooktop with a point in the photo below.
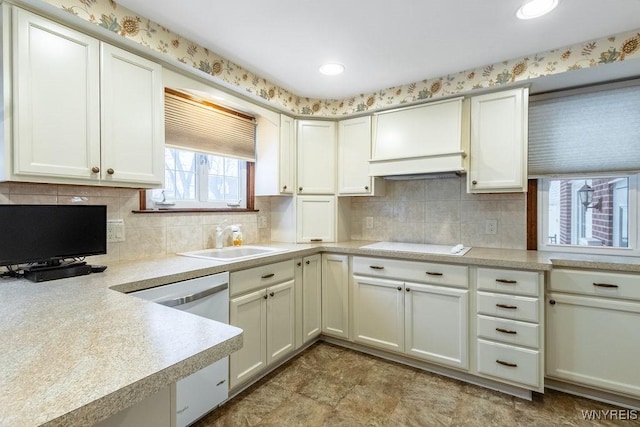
(421, 248)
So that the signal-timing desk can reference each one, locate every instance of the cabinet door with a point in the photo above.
(354, 152)
(498, 153)
(311, 297)
(335, 295)
(378, 313)
(287, 155)
(132, 118)
(280, 321)
(56, 100)
(249, 312)
(594, 341)
(436, 324)
(316, 218)
(316, 157)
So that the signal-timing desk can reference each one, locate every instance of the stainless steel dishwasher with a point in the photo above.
(208, 297)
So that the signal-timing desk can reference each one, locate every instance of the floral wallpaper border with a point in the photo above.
(120, 20)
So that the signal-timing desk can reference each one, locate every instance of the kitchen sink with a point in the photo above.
(232, 253)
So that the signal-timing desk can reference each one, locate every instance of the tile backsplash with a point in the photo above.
(147, 235)
(420, 211)
(440, 211)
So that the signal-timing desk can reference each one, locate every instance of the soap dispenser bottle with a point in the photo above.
(237, 235)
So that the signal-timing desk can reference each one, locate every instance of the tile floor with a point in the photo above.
(328, 385)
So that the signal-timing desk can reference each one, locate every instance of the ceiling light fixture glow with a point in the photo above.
(536, 8)
(332, 69)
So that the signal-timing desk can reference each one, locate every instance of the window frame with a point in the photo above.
(633, 219)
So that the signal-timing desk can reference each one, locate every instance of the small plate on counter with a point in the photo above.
(421, 248)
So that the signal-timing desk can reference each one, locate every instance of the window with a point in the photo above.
(199, 180)
(591, 214)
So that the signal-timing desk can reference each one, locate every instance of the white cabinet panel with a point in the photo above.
(378, 313)
(509, 331)
(316, 219)
(507, 362)
(594, 342)
(354, 152)
(132, 118)
(498, 151)
(508, 306)
(56, 99)
(287, 154)
(311, 297)
(275, 155)
(249, 313)
(280, 321)
(316, 142)
(335, 295)
(436, 324)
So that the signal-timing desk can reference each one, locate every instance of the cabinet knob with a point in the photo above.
(110, 171)
(284, 187)
(95, 169)
(366, 187)
(299, 264)
(552, 302)
(265, 296)
(271, 294)
(307, 262)
(474, 182)
(299, 188)
(399, 288)
(408, 289)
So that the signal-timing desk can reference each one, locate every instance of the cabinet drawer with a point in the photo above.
(508, 331)
(422, 272)
(510, 363)
(599, 283)
(509, 281)
(244, 281)
(508, 306)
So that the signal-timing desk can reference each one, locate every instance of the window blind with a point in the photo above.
(585, 133)
(195, 125)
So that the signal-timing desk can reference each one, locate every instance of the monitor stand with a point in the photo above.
(50, 271)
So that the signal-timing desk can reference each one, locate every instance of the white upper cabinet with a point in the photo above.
(354, 152)
(498, 152)
(316, 219)
(316, 157)
(84, 112)
(426, 138)
(132, 118)
(56, 100)
(276, 155)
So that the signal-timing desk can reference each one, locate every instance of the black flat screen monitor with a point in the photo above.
(49, 233)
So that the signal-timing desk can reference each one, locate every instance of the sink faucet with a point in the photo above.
(220, 231)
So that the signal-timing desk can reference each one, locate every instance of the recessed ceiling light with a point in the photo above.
(332, 69)
(536, 8)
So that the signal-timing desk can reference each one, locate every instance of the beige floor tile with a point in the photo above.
(370, 405)
(297, 410)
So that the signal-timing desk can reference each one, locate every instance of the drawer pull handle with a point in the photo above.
(433, 273)
(376, 267)
(316, 240)
(507, 281)
(510, 307)
(506, 331)
(268, 276)
(605, 285)
(503, 363)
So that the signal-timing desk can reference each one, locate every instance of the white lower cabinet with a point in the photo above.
(593, 338)
(311, 297)
(422, 320)
(509, 327)
(267, 317)
(335, 295)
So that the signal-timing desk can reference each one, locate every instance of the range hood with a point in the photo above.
(422, 141)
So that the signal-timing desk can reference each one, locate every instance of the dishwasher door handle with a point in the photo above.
(174, 302)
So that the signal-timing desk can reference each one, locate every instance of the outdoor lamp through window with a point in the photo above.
(585, 193)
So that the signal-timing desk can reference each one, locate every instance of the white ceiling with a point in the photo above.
(382, 43)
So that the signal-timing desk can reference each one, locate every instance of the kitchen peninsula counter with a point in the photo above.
(77, 350)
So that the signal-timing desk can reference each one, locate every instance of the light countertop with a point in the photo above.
(77, 350)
